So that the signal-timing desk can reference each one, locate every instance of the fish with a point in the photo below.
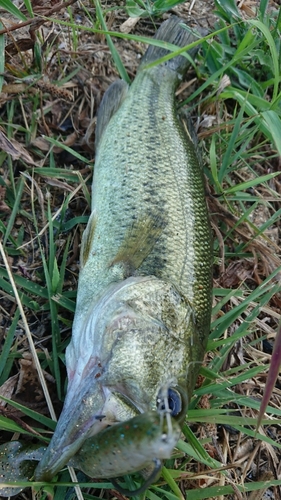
(143, 306)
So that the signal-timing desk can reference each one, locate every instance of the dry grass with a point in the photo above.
(55, 75)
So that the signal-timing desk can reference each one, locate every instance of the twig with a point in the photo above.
(39, 21)
(191, 6)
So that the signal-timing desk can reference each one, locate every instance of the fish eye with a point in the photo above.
(174, 400)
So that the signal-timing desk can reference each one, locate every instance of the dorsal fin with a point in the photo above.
(111, 102)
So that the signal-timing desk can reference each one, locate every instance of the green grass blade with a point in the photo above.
(19, 191)
(171, 482)
(8, 344)
(64, 302)
(194, 449)
(273, 123)
(28, 6)
(249, 184)
(66, 148)
(231, 144)
(2, 58)
(6, 424)
(10, 7)
(27, 285)
(213, 164)
(116, 57)
(56, 341)
(32, 414)
(274, 55)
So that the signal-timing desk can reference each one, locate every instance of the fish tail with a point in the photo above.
(173, 32)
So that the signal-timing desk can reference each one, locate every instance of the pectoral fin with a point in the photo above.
(87, 239)
(139, 242)
(111, 102)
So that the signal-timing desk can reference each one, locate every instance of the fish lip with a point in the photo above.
(61, 450)
(48, 468)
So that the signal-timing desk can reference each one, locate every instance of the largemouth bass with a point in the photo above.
(144, 295)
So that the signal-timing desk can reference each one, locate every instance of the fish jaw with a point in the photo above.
(90, 405)
(80, 415)
(83, 417)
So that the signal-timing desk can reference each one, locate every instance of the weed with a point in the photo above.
(44, 198)
(136, 8)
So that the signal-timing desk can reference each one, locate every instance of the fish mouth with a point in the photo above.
(82, 417)
(78, 433)
(63, 446)
(53, 461)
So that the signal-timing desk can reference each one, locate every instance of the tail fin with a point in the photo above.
(171, 31)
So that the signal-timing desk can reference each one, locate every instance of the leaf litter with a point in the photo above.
(57, 96)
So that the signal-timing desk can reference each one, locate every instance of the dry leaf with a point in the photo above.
(19, 46)
(45, 145)
(88, 139)
(236, 273)
(41, 144)
(14, 88)
(29, 389)
(3, 206)
(59, 184)
(15, 149)
(28, 386)
(70, 140)
(8, 389)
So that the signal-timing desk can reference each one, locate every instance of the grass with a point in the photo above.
(45, 206)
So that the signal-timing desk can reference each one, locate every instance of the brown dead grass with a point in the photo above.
(67, 112)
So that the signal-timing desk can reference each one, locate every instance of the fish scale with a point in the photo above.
(144, 295)
(151, 179)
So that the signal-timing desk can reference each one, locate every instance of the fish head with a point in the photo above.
(154, 328)
(132, 344)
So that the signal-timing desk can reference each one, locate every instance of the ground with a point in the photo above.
(54, 79)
